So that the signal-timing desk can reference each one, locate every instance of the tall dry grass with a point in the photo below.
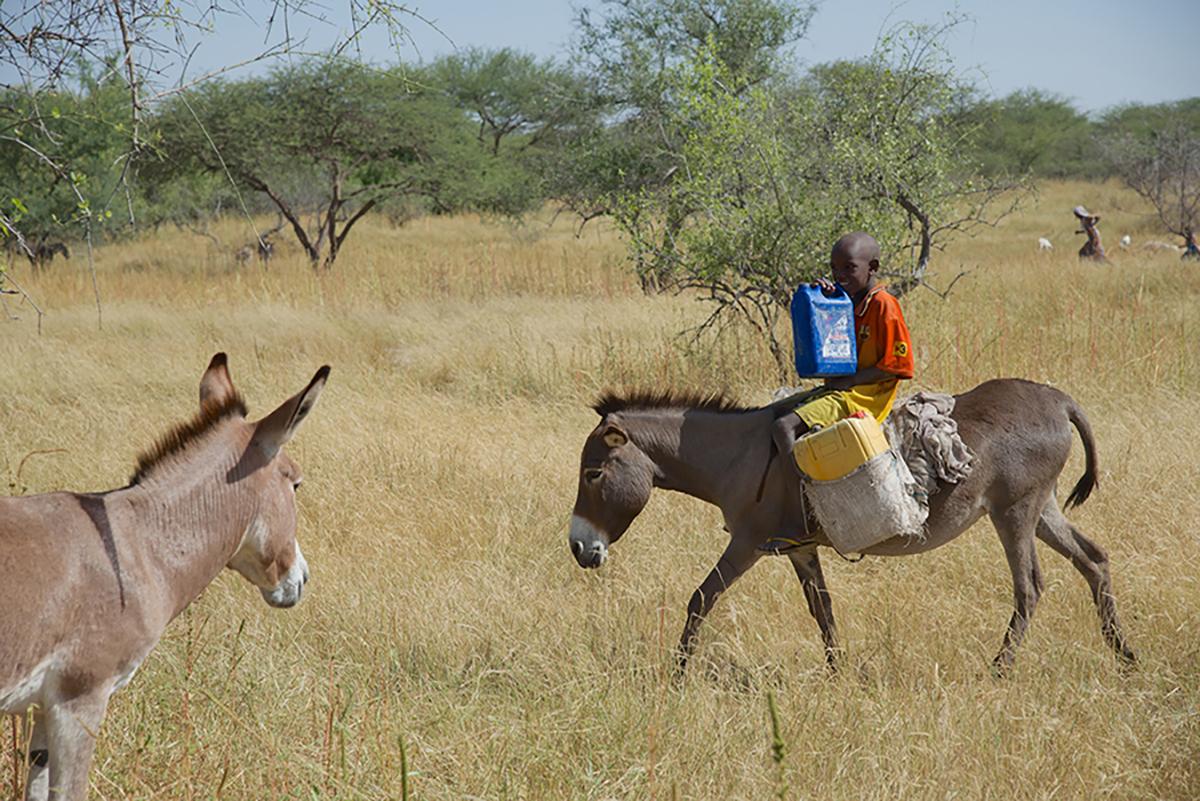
(447, 630)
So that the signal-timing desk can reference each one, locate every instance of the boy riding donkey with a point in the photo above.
(884, 358)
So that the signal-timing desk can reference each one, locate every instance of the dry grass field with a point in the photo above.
(449, 647)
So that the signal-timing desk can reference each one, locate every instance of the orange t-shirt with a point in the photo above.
(882, 335)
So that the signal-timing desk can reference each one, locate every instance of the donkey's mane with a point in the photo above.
(612, 401)
(185, 434)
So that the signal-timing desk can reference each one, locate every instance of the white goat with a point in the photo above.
(1044, 244)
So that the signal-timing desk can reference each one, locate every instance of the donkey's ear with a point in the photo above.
(216, 386)
(613, 436)
(273, 431)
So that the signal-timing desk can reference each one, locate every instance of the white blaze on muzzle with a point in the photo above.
(589, 545)
(291, 587)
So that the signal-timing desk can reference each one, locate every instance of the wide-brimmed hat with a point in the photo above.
(1084, 214)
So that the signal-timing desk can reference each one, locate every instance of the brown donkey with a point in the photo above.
(90, 580)
(721, 453)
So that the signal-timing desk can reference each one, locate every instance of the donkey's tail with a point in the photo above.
(1090, 479)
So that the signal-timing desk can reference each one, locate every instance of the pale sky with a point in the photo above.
(1097, 53)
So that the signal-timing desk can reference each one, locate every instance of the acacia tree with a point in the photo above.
(328, 141)
(524, 110)
(1162, 164)
(771, 178)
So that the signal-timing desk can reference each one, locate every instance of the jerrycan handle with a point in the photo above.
(814, 290)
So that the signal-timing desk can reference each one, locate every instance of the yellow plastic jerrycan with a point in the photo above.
(835, 451)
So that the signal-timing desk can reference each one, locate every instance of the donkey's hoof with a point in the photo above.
(1128, 660)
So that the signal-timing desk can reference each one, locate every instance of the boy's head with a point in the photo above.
(854, 262)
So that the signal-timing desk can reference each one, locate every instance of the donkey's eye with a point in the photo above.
(592, 474)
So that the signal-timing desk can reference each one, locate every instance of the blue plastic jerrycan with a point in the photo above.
(823, 333)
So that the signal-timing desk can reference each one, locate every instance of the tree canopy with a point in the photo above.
(62, 155)
(515, 98)
(1031, 131)
(631, 50)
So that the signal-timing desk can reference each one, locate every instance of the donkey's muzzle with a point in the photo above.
(589, 545)
(588, 556)
(287, 593)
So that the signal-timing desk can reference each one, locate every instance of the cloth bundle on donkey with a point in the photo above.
(921, 429)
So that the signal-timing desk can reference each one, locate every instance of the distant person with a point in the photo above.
(1190, 252)
(884, 356)
(1092, 249)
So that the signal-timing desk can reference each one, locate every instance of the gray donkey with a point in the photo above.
(719, 452)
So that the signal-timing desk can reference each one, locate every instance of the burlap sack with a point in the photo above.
(870, 505)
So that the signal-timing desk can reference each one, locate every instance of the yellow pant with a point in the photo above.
(874, 399)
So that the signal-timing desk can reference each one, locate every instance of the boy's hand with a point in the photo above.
(827, 287)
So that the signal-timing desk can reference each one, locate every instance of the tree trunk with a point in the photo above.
(918, 274)
(314, 253)
(335, 242)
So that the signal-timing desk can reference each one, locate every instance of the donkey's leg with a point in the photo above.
(808, 569)
(1089, 559)
(72, 727)
(1015, 525)
(736, 560)
(37, 787)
